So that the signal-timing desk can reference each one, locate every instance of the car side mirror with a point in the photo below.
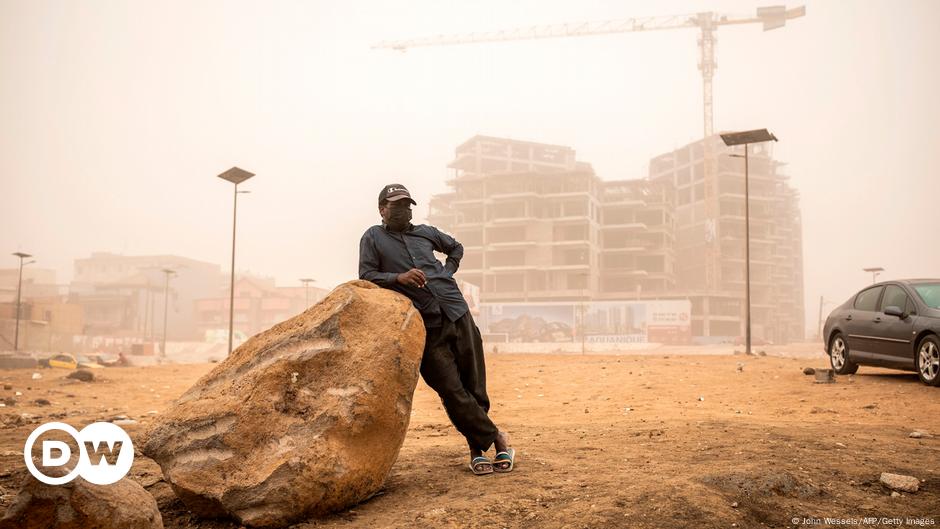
(891, 310)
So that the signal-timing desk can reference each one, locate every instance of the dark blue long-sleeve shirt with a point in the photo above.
(384, 254)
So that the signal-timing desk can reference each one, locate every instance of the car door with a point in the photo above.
(859, 322)
(892, 335)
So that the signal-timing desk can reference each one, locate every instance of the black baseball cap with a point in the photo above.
(393, 192)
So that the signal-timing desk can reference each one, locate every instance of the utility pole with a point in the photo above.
(166, 305)
(746, 138)
(235, 176)
(306, 281)
(19, 291)
(874, 272)
(819, 323)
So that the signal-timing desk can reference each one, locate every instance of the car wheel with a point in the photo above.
(928, 361)
(839, 356)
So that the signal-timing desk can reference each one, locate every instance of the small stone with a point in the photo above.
(701, 398)
(809, 371)
(82, 374)
(740, 367)
(895, 494)
(42, 402)
(124, 422)
(916, 435)
(7, 386)
(734, 505)
(36, 376)
(840, 445)
(824, 376)
(121, 505)
(900, 482)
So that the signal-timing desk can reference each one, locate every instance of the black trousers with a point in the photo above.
(453, 366)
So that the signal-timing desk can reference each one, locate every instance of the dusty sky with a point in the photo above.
(118, 115)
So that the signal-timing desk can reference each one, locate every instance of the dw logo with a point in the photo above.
(97, 444)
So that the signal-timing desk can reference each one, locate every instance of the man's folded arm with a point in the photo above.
(452, 248)
(369, 264)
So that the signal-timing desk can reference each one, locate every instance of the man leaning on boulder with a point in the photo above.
(400, 256)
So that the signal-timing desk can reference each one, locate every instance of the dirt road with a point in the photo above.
(604, 441)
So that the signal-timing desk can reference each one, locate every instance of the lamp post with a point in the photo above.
(822, 302)
(746, 138)
(306, 281)
(235, 176)
(19, 290)
(166, 304)
(874, 272)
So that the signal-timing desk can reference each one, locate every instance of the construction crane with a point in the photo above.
(771, 17)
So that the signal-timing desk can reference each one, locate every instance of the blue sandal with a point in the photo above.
(481, 465)
(504, 461)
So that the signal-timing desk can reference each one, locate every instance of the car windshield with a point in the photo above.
(929, 293)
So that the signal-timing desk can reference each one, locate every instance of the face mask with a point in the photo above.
(398, 218)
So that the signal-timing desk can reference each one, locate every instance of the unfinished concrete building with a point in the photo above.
(710, 243)
(538, 225)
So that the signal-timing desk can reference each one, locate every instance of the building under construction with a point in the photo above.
(538, 225)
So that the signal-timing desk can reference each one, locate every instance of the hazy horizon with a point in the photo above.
(121, 114)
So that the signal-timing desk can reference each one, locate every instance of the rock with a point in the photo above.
(8, 386)
(124, 422)
(36, 376)
(917, 434)
(740, 367)
(9, 401)
(895, 494)
(247, 442)
(900, 482)
(42, 402)
(734, 505)
(82, 374)
(809, 371)
(79, 504)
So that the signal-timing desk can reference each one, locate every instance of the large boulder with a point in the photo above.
(301, 420)
(79, 504)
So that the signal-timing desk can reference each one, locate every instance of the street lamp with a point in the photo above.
(306, 281)
(745, 138)
(166, 303)
(235, 176)
(19, 289)
(874, 272)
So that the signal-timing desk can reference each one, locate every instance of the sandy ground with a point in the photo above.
(654, 440)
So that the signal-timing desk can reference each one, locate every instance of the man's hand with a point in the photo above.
(413, 278)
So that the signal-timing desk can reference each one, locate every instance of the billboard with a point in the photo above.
(611, 322)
